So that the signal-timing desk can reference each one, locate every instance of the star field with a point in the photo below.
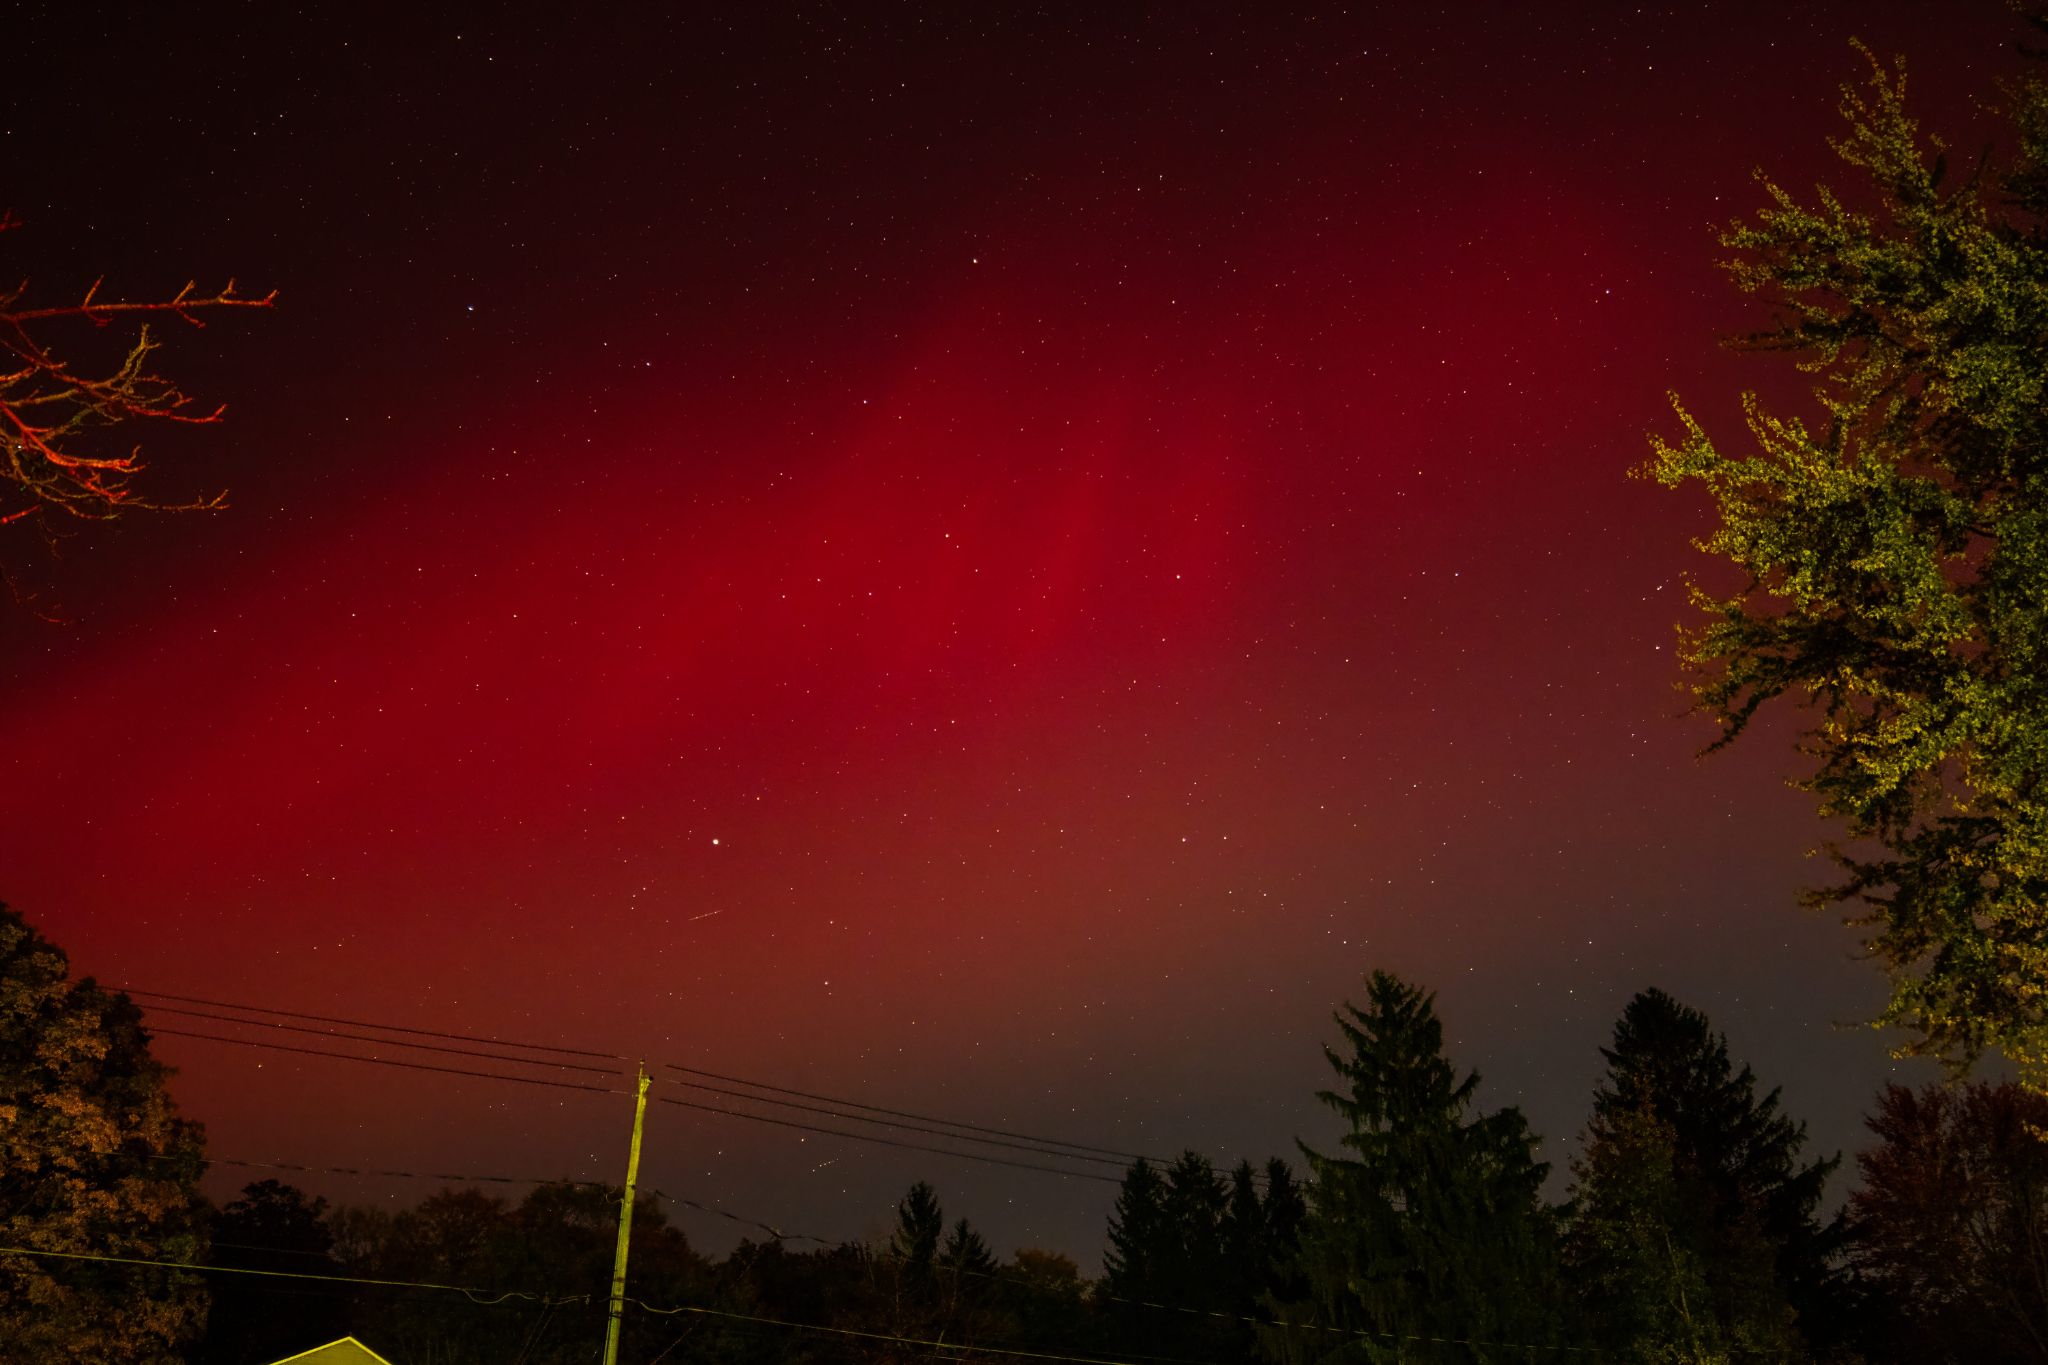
(994, 562)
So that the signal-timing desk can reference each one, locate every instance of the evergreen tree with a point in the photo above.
(94, 1160)
(919, 1225)
(1284, 1211)
(1194, 1209)
(1689, 1177)
(1894, 555)
(1428, 1231)
(966, 1253)
(1133, 1267)
(1246, 1255)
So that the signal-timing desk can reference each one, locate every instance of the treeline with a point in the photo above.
(1693, 1231)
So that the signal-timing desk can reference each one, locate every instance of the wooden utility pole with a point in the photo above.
(611, 1331)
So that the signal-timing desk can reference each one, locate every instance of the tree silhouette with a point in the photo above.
(1687, 1172)
(1428, 1230)
(1133, 1267)
(920, 1222)
(269, 1226)
(1950, 1226)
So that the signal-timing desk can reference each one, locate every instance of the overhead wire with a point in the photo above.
(1103, 1152)
(360, 1023)
(475, 1295)
(972, 1134)
(384, 1042)
(777, 1233)
(393, 1061)
(1004, 1137)
(896, 1123)
(888, 1142)
(370, 1172)
(993, 1137)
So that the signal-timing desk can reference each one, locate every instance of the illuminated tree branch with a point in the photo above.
(51, 413)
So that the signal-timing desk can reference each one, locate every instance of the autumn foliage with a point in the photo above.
(95, 1163)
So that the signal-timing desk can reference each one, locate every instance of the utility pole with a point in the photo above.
(611, 1331)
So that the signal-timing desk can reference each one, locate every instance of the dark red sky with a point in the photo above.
(989, 561)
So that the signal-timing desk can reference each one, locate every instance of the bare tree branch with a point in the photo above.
(51, 414)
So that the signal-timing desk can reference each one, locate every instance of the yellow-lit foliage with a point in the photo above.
(1895, 555)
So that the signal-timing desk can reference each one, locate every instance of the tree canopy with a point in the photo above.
(94, 1162)
(1894, 553)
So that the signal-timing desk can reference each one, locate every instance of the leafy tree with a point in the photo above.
(1428, 1233)
(1043, 1295)
(1638, 1251)
(270, 1226)
(1894, 555)
(834, 1286)
(94, 1160)
(1690, 1178)
(1950, 1226)
(556, 1243)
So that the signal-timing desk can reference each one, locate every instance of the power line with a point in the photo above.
(366, 1172)
(359, 1023)
(998, 1137)
(1080, 1151)
(393, 1061)
(895, 1123)
(1098, 1152)
(300, 1275)
(383, 1042)
(889, 1142)
(777, 1233)
(989, 1135)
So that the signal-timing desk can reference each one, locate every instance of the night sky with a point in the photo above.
(966, 557)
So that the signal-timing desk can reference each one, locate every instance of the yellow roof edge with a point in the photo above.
(326, 1345)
